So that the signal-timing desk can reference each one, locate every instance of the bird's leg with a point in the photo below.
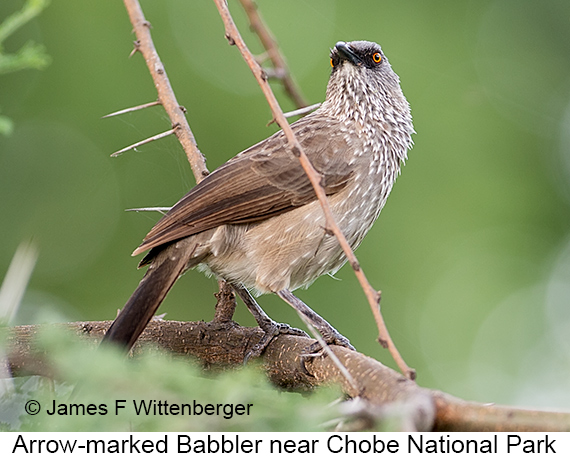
(328, 332)
(268, 325)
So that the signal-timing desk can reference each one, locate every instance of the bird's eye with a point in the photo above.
(332, 64)
(376, 57)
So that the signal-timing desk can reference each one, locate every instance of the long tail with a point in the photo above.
(161, 275)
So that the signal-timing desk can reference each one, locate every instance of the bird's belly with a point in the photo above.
(293, 249)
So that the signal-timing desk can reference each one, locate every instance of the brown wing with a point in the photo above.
(258, 183)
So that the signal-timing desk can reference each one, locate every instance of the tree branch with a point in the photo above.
(270, 44)
(217, 344)
(166, 96)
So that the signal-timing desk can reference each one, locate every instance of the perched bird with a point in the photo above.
(256, 222)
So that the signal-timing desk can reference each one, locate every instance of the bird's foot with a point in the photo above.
(271, 330)
(330, 337)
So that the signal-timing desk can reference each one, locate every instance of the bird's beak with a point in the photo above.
(345, 53)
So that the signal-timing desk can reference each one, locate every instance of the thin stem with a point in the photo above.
(270, 44)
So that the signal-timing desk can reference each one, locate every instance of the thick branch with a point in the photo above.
(222, 344)
(456, 415)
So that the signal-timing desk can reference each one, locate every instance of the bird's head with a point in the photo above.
(364, 89)
(362, 65)
(363, 54)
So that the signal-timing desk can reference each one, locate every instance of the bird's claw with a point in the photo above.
(315, 349)
(270, 332)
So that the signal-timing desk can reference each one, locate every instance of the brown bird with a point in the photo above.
(256, 222)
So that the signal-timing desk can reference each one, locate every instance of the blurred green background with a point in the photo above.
(472, 251)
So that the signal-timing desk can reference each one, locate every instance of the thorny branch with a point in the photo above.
(234, 37)
(281, 70)
(166, 97)
(384, 392)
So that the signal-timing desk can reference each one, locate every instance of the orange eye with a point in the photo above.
(332, 64)
(376, 57)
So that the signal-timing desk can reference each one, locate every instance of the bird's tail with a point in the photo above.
(161, 275)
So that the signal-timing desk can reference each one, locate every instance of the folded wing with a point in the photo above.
(261, 182)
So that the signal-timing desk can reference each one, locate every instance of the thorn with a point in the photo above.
(160, 209)
(159, 317)
(134, 108)
(136, 48)
(275, 73)
(378, 296)
(298, 112)
(296, 151)
(383, 342)
(231, 41)
(261, 58)
(140, 143)
(302, 111)
(328, 231)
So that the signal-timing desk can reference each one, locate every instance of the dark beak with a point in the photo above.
(345, 53)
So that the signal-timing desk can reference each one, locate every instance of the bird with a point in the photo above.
(255, 221)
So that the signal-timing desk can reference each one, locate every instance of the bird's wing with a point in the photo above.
(262, 181)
